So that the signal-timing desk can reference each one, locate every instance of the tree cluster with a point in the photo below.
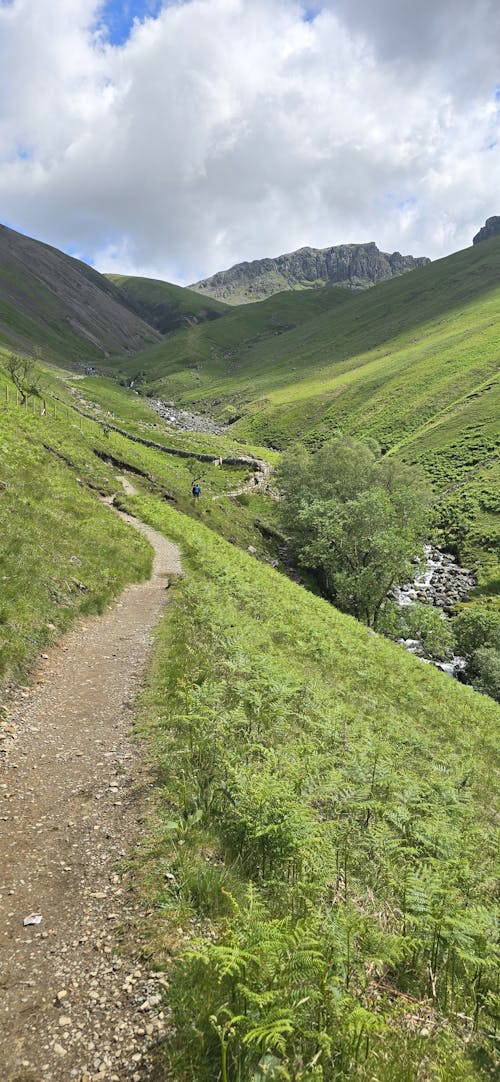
(354, 518)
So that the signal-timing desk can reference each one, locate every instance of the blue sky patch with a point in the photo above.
(311, 12)
(117, 17)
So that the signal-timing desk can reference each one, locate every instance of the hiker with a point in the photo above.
(256, 478)
(196, 490)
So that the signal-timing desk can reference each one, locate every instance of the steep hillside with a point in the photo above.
(328, 351)
(352, 266)
(383, 363)
(166, 306)
(188, 363)
(61, 553)
(413, 363)
(326, 831)
(61, 305)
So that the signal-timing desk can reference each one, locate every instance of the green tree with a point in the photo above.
(477, 633)
(24, 374)
(355, 518)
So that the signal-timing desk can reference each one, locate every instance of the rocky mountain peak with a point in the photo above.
(350, 266)
(491, 228)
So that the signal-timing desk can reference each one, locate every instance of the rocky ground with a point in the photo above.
(440, 581)
(184, 420)
(78, 1000)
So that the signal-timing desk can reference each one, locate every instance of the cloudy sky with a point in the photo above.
(173, 138)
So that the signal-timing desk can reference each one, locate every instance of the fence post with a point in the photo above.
(7, 393)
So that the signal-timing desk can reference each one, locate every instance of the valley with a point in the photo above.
(314, 877)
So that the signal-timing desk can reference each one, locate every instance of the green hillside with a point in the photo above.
(61, 307)
(190, 364)
(385, 360)
(166, 306)
(413, 363)
(61, 552)
(326, 824)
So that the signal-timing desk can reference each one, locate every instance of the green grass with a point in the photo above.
(165, 305)
(62, 553)
(187, 363)
(412, 363)
(327, 824)
(386, 360)
(117, 405)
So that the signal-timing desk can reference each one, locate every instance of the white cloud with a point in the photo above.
(232, 129)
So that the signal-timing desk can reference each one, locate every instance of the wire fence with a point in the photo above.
(43, 405)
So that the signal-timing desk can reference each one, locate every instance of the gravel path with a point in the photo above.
(76, 1001)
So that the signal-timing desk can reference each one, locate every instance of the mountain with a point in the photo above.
(52, 301)
(166, 306)
(351, 266)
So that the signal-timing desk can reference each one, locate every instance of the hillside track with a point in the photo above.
(76, 1002)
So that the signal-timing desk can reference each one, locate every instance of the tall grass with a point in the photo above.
(328, 827)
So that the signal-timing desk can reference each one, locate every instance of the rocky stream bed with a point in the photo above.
(441, 582)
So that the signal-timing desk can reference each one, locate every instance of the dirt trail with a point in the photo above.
(71, 798)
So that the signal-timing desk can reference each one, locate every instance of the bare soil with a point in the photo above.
(77, 1001)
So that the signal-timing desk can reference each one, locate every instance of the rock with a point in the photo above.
(491, 228)
(352, 266)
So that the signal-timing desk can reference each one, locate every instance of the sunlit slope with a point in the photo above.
(383, 362)
(350, 786)
(166, 306)
(188, 364)
(61, 552)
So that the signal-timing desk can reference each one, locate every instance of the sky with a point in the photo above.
(174, 138)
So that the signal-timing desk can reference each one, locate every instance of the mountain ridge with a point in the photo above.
(348, 266)
(64, 306)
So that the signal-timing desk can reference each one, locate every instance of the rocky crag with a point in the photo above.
(491, 228)
(350, 266)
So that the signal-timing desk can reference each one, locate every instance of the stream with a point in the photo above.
(441, 582)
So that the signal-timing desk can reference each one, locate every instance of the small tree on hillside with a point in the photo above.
(355, 518)
(24, 375)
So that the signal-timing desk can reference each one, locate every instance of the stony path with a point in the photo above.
(76, 1002)
(260, 483)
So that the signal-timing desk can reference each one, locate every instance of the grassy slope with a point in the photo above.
(61, 306)
(354, 788)
(280, 695)
(165, 305)
(431, 333)
(61, 552)
(190, 364)
(413, 363)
